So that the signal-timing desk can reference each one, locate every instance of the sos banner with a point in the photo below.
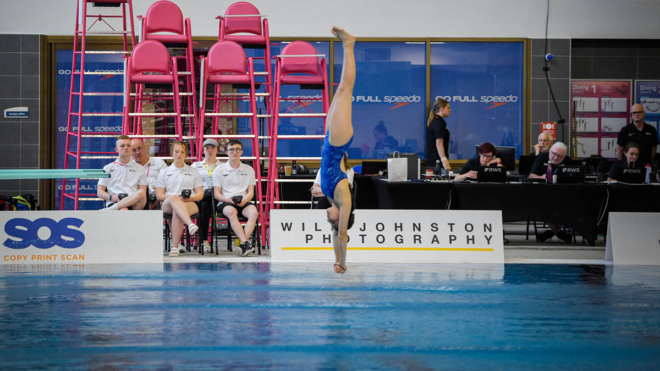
(93, 83)
(63, 237)
(647, 93)
(483, 83)
(391, 235)
(599, 109)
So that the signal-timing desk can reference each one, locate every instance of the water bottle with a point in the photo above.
(438, 168)
(293, 168)
(648, 174)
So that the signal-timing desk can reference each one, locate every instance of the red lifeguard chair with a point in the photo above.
(76, 114)
(226, 64)
(299, 64)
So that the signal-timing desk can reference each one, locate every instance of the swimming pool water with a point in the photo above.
(279, 316)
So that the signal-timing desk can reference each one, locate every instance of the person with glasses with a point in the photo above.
(205, 169)
(544, 144)
(545, 167)
(233, 186)
(641, 133)
(487, 157)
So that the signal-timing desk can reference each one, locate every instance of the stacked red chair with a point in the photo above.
(299, 64)
(164, 22)
(226, 64)
(77, 118)
(151, 63)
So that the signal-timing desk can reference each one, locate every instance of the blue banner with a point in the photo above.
(483, 82)
(93, 83)
(388, 98)
(647, 93)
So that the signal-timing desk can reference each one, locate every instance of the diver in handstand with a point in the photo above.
(338, 137)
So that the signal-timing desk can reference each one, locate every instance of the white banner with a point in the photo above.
(454, 236)
(81, 237)
(633, 239)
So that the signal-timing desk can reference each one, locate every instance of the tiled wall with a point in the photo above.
(615, 59)
(543, 108)
(19, 87)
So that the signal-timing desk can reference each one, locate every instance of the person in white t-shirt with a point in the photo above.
(128, 180)
(170, 187)
(205, 169)
(231, 181)
(151, 165)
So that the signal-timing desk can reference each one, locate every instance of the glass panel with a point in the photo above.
(388, 99)
(483, 81)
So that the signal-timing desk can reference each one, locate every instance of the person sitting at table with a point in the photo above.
(631, 154)
(547, 162)
(487, 153)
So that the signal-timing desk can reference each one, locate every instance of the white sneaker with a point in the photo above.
(182, 246)
(192, 229)
(238, 250)
(174, 251)
(207, 247)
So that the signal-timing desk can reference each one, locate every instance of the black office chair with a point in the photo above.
(185, 236)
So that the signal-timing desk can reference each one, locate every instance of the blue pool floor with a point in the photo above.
(285, 316)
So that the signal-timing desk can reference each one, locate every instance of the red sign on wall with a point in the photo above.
(550, 128)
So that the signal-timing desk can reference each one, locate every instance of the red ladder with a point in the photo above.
(78, 73)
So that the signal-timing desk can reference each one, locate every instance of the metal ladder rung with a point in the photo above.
(261, 73)
(102, 115)
(184, 73)
(103, 94)
(241, 95)
(99, 135)
(90, 199)
(293, 202)
(238, 136)
(300, 136)
(294, 180)
(302, 115)
(155, 114)
(235, 114)
(103, 73)
(106, 52)
(163, 94)
(107, 32)
(96, 157)
(299, 158)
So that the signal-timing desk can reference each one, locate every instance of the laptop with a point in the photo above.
(631, 175)
(373, 167)
(525, 164)
(571, 174)
(492, 174)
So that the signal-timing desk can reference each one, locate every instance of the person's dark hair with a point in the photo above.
(487, 147)
(629, 146)
(234, 142)
(351, 218)
(381, 127)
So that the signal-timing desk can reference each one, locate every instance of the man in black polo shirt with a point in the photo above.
(641, 133)
(545, 167)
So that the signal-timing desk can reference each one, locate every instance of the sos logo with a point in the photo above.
(26, 233)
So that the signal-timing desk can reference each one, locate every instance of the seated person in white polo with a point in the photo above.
(127, 178)
(205, 169)
(169, 190)
(232, 180)
(151, 165)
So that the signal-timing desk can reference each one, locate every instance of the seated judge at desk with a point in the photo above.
(630, 156)
(547, 162)
(487, 157)
(544, 144)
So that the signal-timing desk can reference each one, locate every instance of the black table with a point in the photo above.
(411, 195)
(366, 197)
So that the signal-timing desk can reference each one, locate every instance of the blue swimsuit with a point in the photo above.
(331, 173)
